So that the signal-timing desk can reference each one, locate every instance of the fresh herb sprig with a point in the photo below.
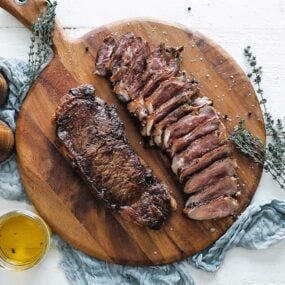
(272, 156)
(41, 41)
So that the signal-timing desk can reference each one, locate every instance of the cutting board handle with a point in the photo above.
(27, 11)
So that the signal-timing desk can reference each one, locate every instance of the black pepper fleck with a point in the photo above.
(86, 49)
(249, 114)
(13, 250)
(226, 116)
(189, 9)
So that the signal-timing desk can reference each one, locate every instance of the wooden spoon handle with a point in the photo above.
(27, 13)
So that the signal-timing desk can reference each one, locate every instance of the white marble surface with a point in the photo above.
(233, 24)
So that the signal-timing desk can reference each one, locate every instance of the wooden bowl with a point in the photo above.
(6, 141)
(3, 90)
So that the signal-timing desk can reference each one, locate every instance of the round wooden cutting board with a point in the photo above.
(58, 193)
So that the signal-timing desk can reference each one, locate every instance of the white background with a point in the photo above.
(231, 23)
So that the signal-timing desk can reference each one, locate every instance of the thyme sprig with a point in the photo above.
(248, 143)
(41, 41)
(273, 155)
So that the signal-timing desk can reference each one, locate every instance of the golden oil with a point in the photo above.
(24, 240)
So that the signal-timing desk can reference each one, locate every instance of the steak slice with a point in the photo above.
(226, 186)
(162, 64)
(92, 138)
(166, 90)
(187, 124)
(197, 149)
(219, 169)
(218, 208)
(128, 47)
(104, 56)
(175, 115)
(207, 127)
(127, 88)
(204, 161)
(177, 100)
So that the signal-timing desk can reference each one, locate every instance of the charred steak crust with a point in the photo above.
(173, 117)
(92, 138)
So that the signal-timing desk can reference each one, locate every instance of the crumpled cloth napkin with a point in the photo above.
(258, 227)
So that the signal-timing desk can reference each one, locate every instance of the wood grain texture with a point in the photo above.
(62, 198)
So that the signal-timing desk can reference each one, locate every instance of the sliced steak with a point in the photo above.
(92, 138)
(204, 161)
(186, 124)
(166, 90)
(166, 108)
(132, 45)
(171, 116)
(217, 170)
(197, 149)
(127, 88)
(175, 115)
(161, 65)
(104, 56)
(207, 127)
(218, 208)
(226, 186)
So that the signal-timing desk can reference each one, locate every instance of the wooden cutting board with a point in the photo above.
(61, 197)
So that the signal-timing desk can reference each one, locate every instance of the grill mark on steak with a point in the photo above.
(92, 138)
(220, 168)
(217, 208)
(226, 186)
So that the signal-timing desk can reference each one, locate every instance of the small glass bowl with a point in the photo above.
(4, 262)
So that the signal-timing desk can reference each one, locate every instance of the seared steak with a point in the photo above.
(92, 138)
(171, 115)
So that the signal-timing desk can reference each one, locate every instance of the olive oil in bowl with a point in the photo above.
(24, 240)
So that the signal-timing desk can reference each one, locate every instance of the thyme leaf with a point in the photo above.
(41, 41)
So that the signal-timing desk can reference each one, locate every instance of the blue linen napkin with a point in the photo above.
(258, 227)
